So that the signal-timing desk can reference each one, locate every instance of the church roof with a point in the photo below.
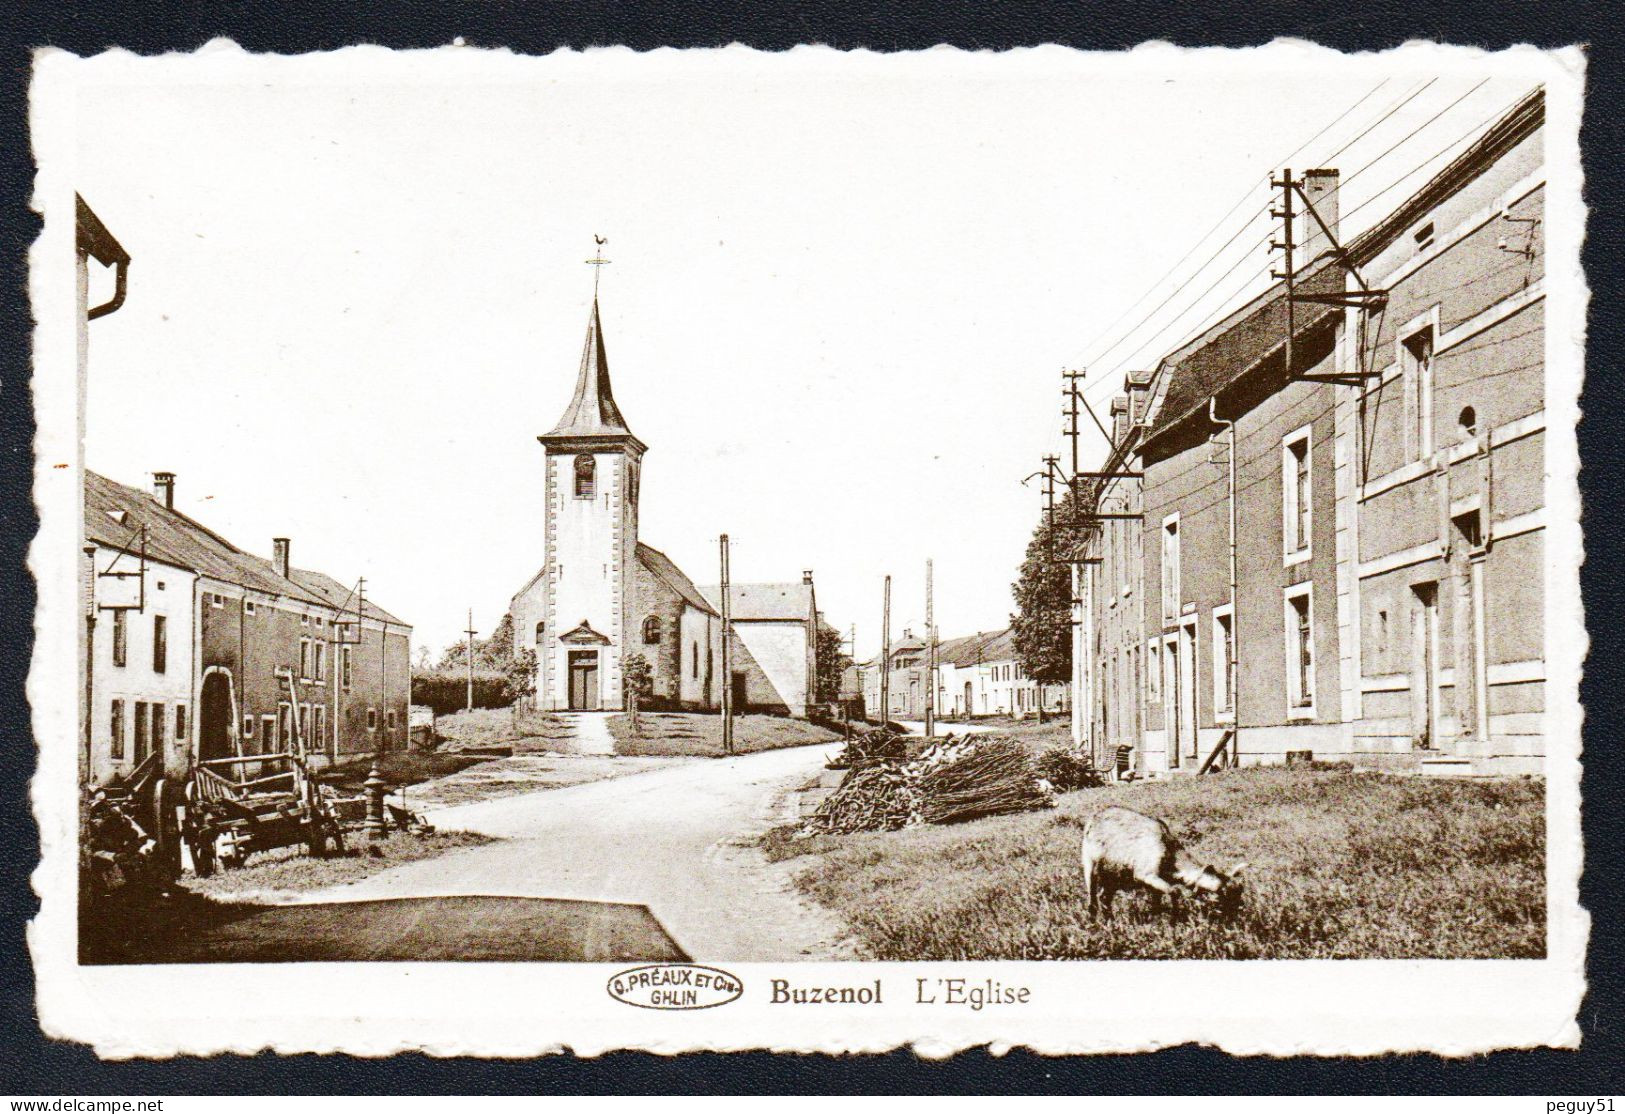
(747, 602)
(592, 411)
(663, 567)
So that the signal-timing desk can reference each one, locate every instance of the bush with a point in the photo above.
(1068, 769)
(446, 690)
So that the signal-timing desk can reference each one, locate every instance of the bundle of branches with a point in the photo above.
(881, 797)
(881, 744)
(988, 776)
(1067, 769)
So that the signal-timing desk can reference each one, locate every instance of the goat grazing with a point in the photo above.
(1122, 847)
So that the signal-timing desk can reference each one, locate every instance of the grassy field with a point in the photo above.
(488, 727)
(290, 870)
(397, 768)
(683, 733)
(1341, 865)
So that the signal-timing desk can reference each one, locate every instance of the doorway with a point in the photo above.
(1171, 699)
(1187, 691)
(584, 681)
(1425, 665)
(216, 719)
(969, 707)
(740, 687)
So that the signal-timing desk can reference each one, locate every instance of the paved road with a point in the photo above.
(677, 840)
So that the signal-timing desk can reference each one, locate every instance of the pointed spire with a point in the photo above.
(592, 411)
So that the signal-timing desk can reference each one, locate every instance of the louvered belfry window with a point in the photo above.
(586, 476)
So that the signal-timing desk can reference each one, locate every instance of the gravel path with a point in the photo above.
(679, 840)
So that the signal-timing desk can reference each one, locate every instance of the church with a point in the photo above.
(601, 593)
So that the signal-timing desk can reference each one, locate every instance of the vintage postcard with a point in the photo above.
(811, 551)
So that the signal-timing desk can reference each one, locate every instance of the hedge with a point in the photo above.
(446, 690)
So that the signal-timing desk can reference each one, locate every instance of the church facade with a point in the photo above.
(602, 594)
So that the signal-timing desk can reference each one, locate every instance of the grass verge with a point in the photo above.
(685, 733)
(290, 870)
(1342, 865)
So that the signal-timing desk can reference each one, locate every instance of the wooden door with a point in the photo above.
(1425, 665)
(1187, 690)
(739, 690)
(1170, 700)
(584, 681)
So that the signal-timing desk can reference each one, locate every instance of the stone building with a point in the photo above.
(601, 593)
(1383, 495)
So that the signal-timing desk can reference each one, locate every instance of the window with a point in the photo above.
(304, 620)
(539, 628)
(651, 632)
(1423, 236)
(586, 476)
(1297, 498)
(319, 657)
(1224, 654)
(1170, 567)
(695, 660)
(391, 719)
(1300, 653)
(180, 721)
(304, 657)
(121, 638)
(318, 728)
(346, 672)
(160, 643)
(284, 724)
(268, 734)
(141, 728)
(216, 600)
(248, 727)
(116, 727)
(248, 606)
(155, 729)
(1418, 371)
(372, 719)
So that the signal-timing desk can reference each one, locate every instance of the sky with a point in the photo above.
(842, 293)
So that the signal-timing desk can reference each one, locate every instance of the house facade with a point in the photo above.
(1323, 541)
(205, 651)
(976, 675)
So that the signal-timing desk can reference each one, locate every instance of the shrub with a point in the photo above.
(446, 690)
(1067, 769)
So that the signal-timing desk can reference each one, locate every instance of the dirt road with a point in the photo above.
(678, 840)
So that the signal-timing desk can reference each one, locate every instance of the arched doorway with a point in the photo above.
(968, 707)
(214, 725)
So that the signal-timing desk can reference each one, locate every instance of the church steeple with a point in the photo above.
(592, 412)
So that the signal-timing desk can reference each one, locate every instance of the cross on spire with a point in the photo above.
(597, 262)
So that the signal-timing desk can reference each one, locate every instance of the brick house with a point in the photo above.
(202, 638)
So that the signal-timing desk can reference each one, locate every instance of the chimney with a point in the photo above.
(908, 632)
(163, 488)
(1320, 187)
(279, 556)
(1137, 385)
(1119, 418)
(806, 576)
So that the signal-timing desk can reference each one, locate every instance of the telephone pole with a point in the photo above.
(1285, 245)
(470, 633)
(930, 659)
(727, 655)
(885, 656)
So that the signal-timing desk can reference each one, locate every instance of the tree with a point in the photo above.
(638, 680)
(1042, 623)
(832, 662)
(493, 653)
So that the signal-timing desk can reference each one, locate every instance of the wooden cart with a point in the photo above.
(237, 806)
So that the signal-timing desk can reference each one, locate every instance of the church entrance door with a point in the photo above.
(584, 681)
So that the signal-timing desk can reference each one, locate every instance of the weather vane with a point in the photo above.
(597, 262)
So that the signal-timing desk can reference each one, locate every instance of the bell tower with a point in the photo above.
(592, 471)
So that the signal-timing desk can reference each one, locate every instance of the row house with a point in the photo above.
(199, 650)
(977, 675)
(1322, 541)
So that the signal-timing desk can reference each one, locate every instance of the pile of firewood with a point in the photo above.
(951, 780)
(992, 775)
(881, 797)
(881, 744)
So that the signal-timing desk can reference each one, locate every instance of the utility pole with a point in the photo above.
(1285, 245)
(1079, 645)
(727, 655)
(885, 656)
(930, 659)
(470, 633)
